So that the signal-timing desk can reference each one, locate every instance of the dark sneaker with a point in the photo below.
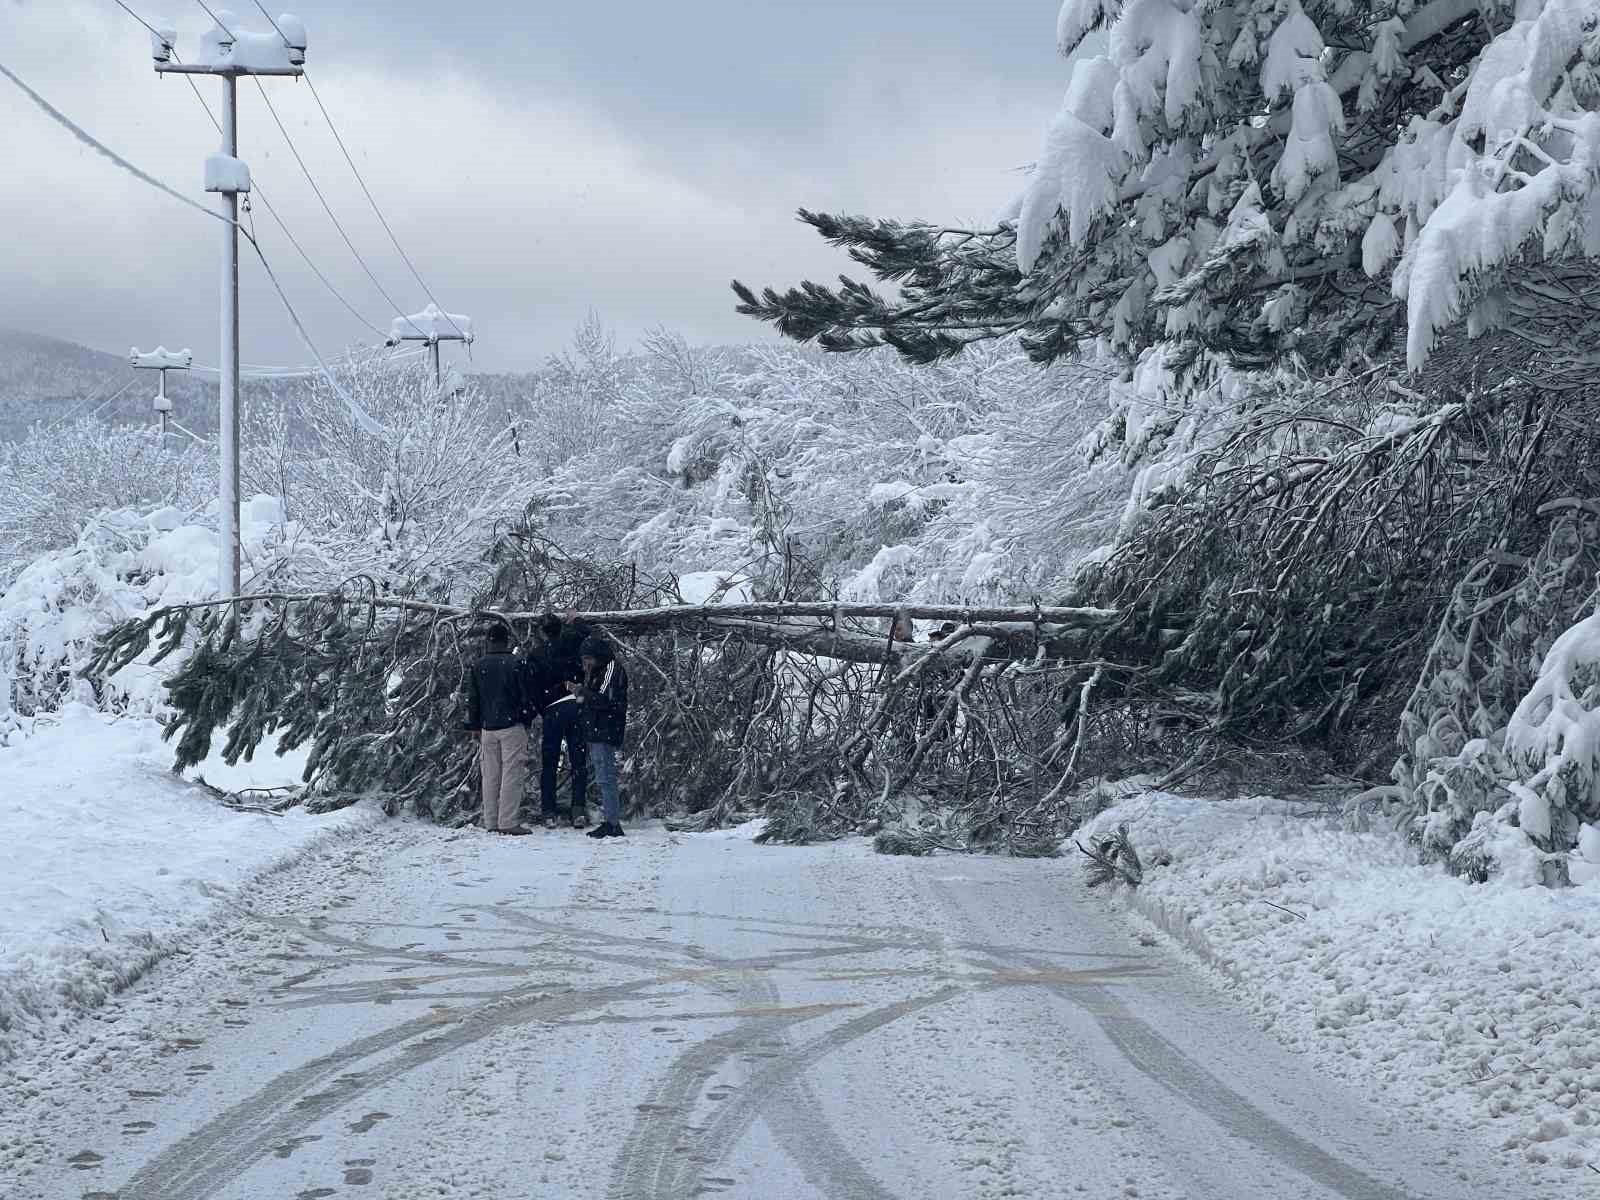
(517, 831)
(580, 819)
(616, 830)
(600, 831)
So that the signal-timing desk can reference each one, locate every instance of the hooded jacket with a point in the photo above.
(604, 696)
(554, 664)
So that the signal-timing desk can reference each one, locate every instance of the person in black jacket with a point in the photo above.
(551, 666)
(603, 697)
(498, 710)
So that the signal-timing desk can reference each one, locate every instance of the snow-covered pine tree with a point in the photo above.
(1270, 211)
(1255, 178)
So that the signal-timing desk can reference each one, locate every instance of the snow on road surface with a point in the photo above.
(108, 861)
(1473, 1003)
(428, 1013)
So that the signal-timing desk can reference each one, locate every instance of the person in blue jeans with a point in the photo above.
(602, 696)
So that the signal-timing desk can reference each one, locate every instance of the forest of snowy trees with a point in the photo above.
(1276, 371)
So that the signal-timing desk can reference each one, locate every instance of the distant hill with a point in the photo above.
(48, 379)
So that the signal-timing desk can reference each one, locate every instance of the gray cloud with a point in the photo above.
(537, 160)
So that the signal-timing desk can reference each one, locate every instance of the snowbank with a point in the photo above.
(108, 862)
(1473, 999)
(126, 563)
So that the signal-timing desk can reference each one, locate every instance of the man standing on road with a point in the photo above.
(498, 710)
(551, 668)
(603, 695)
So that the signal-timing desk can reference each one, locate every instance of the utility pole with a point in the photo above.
(227, 52)
(163, 360)
(431, 325)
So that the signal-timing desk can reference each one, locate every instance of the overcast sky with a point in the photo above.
(537, 159)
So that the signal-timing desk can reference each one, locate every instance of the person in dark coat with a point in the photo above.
(602, 695)
(498, 711)
(551, 666)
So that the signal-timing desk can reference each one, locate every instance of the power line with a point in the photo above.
(259, 193)
(77, 131)
(272, 212)
(273, 22)
(356, 171)
(317, 271)
(358, 414)
(326, 207)
(153, 30)
(255, 371)
(214, 17)
(79, 410)
(406, 258)
(99, 408)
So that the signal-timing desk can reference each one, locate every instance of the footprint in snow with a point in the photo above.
(285, 1149)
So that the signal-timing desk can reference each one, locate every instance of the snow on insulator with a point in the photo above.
(161, 359)
(252, 51)
(161, 43)
(293, 30)
(431, 324)
(226, 174)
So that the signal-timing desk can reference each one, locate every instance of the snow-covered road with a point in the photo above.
(424, 1013)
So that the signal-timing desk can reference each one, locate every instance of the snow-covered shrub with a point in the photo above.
(572, 400)
(969, 481)
(123, 564)
(410, 505)
(58, 477)
(1499, 754)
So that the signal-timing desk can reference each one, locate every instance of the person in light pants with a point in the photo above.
(603, 695)
(499, 711)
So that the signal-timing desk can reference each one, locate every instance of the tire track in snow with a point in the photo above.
(217, 1153)
(210, 1157)
(779, 1093)
(1195, 1088)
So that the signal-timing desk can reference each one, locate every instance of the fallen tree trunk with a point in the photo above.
(810, 709)
(811, 627)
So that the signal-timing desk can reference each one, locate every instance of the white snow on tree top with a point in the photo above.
(431, 324)
(1156, 134)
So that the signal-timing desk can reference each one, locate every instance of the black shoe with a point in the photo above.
(600, 831)
(517, 831)
(616, 830)
(580, 819)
